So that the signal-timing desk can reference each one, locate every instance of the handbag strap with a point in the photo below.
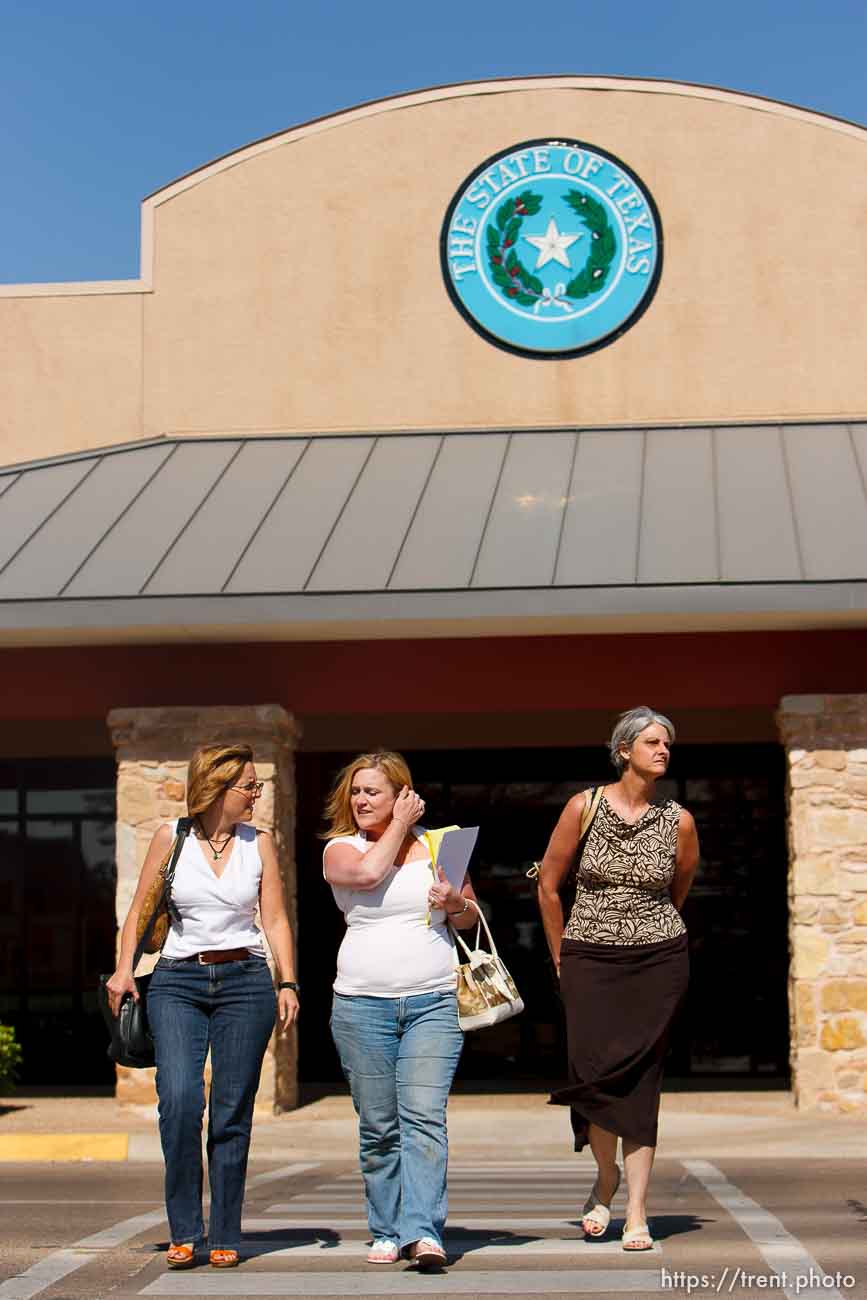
(168, 874)
(482, 922)
(588, 816)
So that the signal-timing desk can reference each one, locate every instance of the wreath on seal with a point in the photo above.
(520, 285)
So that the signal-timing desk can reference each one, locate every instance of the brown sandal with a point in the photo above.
(224, 1259)
(183, 1256)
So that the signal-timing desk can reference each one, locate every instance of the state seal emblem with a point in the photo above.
(551, 248)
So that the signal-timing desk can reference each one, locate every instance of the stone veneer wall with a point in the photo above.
(153, 747)
(826, 745)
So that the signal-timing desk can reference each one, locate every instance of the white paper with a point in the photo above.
(455, 851)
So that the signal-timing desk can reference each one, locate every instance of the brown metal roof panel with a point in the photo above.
(600, 531)
(678, 540)
(443, 540)
(829, 498)
(362, 549)
(31, 499)
(53, 555)
(297, 527)
(758, 542)
(139, 538)
(217, 534)
(136, 545)
(858, 434)
(519, 548)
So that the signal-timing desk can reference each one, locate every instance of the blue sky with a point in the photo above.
(103, 101)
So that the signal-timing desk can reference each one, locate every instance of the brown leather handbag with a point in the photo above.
(154, 916)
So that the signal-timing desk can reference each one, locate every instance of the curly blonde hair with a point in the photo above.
(338, 809)
(212, 768)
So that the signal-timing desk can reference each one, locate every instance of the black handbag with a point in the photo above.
(131, 1042)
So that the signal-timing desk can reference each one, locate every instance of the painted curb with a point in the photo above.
(64, 1146)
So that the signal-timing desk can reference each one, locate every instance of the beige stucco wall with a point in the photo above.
(296, 285)
(71, 373)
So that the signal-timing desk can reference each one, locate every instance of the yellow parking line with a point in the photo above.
(64, 1146)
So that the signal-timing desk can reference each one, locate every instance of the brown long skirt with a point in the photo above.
(619, 1000)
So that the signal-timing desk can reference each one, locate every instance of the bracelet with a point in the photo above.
(290, 984)
(463, 909)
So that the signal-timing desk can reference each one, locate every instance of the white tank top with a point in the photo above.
(389, 950)
(216, 913)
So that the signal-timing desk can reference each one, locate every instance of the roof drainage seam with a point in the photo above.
(332, 530)
(415, 510)
(59, 506)
(185, 525)
(567, 493)
(787, 471)
(129, 505)
(858, 465)
(640, 510)
(260, 525)
(717, 515)
(494, 494)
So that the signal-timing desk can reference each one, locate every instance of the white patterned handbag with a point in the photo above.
(486, 991)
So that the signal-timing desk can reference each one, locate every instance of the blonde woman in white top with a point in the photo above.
(394, 1018)
(212, 989)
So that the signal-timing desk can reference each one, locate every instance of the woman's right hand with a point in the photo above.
(120, 983)
(408, 807)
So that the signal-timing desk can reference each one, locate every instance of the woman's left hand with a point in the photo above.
(287, 1008)
(444, 897)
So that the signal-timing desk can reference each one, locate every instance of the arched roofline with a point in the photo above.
(413, 99)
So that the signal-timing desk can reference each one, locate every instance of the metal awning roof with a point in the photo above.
(428, 533)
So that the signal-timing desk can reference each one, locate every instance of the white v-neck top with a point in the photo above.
(216, 912)
(389, 949)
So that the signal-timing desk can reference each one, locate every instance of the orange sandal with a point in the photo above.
(181, 1256)
(224, 1259)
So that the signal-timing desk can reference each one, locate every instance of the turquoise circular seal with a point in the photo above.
(552, 248)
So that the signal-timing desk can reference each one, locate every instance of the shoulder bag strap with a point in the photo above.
(184, 824)
(590, 812)
(591, 808)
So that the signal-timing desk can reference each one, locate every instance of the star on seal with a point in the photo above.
(552, 246)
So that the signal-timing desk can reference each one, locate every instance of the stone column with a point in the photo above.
(153, 747)
(826, 746)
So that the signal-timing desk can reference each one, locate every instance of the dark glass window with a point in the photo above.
(57, 914)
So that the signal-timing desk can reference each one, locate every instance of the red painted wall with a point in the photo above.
(691, 670)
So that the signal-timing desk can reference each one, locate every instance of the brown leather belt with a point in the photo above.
(218, 955)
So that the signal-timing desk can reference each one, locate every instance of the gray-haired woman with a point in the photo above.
(622, 960)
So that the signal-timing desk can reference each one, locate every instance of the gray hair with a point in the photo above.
(630, 726)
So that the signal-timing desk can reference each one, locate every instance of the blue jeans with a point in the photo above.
(230, 1008)
(399, 1056)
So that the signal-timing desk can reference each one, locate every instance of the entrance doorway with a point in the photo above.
(735, 1023)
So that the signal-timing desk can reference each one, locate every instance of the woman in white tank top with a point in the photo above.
(212, 989)
(394, 1019)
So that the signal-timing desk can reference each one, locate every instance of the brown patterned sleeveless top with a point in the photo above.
(624, 876)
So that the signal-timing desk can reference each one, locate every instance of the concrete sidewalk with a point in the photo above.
(762, 1125)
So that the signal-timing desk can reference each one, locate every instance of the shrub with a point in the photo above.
(10, 1058)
